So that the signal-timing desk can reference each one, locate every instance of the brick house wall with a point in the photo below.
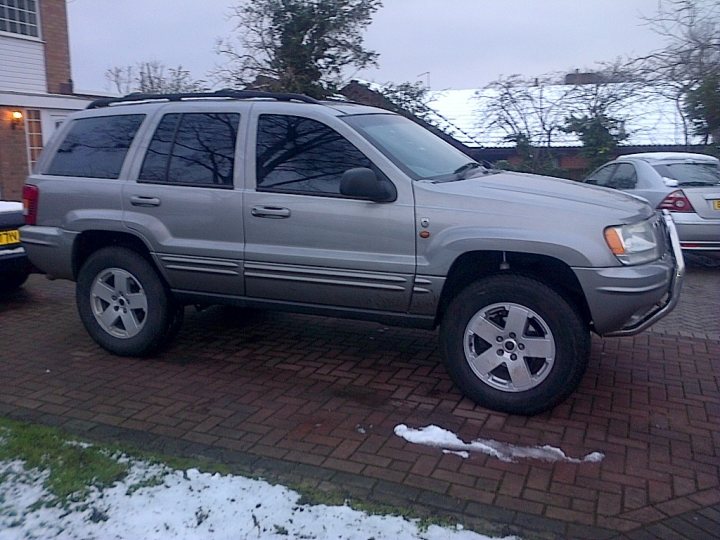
(13, 155)
(53, 18)
(56, 101)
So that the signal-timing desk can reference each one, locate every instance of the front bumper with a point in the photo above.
(626, 300)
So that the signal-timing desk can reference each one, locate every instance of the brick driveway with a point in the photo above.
(312, 400)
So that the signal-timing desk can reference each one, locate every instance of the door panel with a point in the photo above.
(330, 251)
(196, 234)
(184, 204)
(322, 248)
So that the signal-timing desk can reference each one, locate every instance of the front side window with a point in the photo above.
(300, 155)
(194, 149)
(19, 17)
(96, 147)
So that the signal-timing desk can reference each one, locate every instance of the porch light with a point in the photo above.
(17, 117)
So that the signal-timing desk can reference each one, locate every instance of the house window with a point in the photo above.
(33, 129)
(19, 17)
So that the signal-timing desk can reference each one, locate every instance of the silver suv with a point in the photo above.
(279, 201)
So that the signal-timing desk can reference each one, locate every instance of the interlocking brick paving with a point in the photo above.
(697, 313)
(320, 397)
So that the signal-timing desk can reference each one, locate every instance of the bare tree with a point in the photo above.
(536, 114)
(596, 111)
(153, 77)
(691, 56)
(531, 113)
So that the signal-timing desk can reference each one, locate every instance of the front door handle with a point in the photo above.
(273, 212)
(137, 200)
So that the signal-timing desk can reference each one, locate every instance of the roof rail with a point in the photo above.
(225, 93)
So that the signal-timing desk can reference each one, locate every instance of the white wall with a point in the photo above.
(49, 120)
(22, 65)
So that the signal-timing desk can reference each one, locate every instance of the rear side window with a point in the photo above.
(601, 177)
(96, 147)
(624, 177)
(193, 149)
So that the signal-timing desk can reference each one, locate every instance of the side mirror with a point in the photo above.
(363, 183)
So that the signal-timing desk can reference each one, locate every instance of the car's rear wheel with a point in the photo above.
(514, 345)
(123, 303)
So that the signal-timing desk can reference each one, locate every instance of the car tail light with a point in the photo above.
(676, 201)
(31, 197)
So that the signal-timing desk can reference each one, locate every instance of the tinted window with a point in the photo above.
(155, 166)
(601, 177)
(301, 155)
(96, 147)
(624, 177)
(192, 149)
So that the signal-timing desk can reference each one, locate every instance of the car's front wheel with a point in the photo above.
(514, 345)
(122, 302)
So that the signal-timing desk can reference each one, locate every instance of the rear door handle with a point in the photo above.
(273, 212)
(137, 200)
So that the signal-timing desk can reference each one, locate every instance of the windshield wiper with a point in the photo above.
(467, 167)
(697, 183)
(458, 174)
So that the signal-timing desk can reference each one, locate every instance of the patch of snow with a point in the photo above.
(158, 503)
(463, 454)
(442, 438)
(80, 444)
(9, 206)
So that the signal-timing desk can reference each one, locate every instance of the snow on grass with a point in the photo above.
(156, 502)
(442, 438)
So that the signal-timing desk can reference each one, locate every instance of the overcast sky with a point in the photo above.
(461, 43)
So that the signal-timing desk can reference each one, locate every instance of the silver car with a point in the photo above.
(154, 202)
(688, 185)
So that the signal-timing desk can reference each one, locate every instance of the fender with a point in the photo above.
(441, 251)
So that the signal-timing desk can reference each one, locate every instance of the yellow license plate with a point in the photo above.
(9, 237)
(716, 204)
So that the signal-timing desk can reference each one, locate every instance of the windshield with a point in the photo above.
(691, 174)
(419, 153)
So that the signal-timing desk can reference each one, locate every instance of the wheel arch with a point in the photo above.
(88, 242)
(474, 265)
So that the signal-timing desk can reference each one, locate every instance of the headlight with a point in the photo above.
(633, 244)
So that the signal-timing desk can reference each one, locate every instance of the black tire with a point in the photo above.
(151, 324)
(12, 281)
(550, 325)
